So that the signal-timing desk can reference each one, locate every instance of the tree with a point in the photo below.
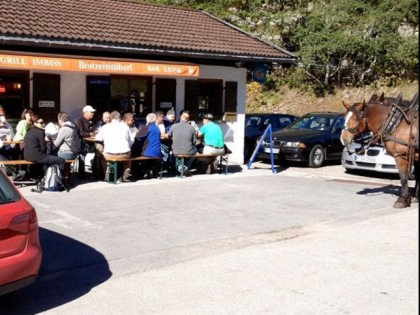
(338, 42)
(356, 42)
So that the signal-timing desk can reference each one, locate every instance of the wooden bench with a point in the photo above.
(112, 165)
(223, 158)
(24, 162)
(9, 163)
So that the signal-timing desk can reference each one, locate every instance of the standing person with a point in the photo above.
(117, 142)
(85, 124)
(213, 142)
(36, 147)
(183, 137)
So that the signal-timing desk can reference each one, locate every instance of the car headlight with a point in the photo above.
(290, 144)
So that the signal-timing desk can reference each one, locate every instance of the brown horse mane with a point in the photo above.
(388, 101)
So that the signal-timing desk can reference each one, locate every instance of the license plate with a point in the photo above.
(267, 150)
(362, 158)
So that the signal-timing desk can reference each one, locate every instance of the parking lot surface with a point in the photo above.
(299, 241)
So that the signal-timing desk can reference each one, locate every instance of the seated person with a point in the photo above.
(98, 161)
(183, 137)
(24, 124)
(128, 118)
(117, 142)
(149, 139)
(106, 118)
(164, 123)
(36, 149)
(213, 143)
(22, 127)
(86, 126)
(7, 151)
(64, 141)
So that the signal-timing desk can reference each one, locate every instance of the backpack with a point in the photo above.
(53, 180)
(78, 145)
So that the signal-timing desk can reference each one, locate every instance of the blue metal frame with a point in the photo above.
(257, 148)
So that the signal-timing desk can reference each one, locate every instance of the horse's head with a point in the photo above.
(355, 122)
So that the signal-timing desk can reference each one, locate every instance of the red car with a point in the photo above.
(20, 250)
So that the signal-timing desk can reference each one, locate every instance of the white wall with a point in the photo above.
(233, 131)
(73, 98)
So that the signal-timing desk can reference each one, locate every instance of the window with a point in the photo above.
(46, 95)
(14, 92)
(131, 94)
(204, 96)
(165, 94)
(98, 92)
(231, 96)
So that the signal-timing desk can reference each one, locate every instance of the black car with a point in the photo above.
(255, 125)
(313, 139)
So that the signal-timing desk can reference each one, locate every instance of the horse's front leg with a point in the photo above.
(405, 196)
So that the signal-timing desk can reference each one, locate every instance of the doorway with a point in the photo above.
(131, 94)
(14, 93)
(204, 96)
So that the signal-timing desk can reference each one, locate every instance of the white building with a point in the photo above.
(111, 54)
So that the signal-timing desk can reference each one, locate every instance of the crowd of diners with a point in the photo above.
(115, 135)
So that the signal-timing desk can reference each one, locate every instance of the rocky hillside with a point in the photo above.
(298, 103)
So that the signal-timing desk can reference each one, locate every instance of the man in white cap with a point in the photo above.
(85, 124)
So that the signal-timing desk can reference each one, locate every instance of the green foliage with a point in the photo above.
(339, 43)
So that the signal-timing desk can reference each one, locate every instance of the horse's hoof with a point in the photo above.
(414, 200)
(399, 204)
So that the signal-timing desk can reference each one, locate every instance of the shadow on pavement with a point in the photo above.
(389, 189)
(69, 270)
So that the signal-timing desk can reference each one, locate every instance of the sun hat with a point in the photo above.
(89, 109)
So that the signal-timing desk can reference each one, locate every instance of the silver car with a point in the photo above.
(374, 159)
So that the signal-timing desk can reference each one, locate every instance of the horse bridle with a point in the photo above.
(361, 116)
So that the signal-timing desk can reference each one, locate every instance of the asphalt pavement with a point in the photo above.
(297, 241)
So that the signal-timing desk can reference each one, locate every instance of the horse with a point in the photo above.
(400, 140)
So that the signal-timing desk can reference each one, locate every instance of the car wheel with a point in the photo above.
(317, 156)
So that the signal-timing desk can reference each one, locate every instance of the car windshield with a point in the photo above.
(313, 122)
(7, 191)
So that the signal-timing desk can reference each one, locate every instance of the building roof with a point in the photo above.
(130, 27)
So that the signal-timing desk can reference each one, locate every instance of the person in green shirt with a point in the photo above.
(24, 124)
(214, 144)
